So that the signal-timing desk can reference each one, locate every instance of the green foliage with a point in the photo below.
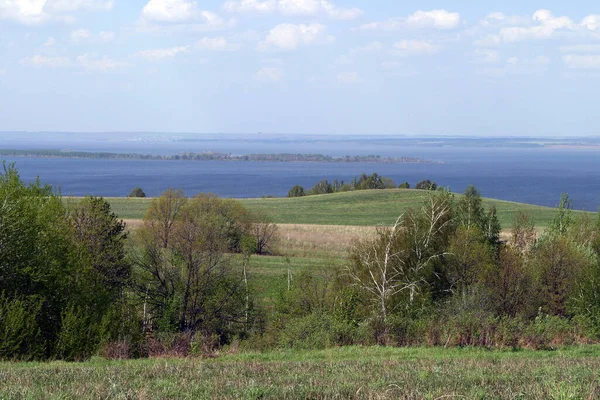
(404, 185)
(563, 218)
(322, 187)
(319, 330)
(20, 335)
(426, 185)
(137, 192)
(296, 191)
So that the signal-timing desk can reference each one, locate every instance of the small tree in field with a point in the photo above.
(426, 185)
(137, 192)
(297, 191)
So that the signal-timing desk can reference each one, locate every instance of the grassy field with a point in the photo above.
(361, 208)
(339, 373)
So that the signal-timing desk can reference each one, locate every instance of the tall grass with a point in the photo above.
(342, 373)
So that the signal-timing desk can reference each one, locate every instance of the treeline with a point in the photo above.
(73, 284)
(213, 156)
(362, 182)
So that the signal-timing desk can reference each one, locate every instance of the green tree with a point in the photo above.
(137, 192)
(404, 185)
(322, 187)
(192, 284)
(426, 185)
(296, 191)
(563, 218)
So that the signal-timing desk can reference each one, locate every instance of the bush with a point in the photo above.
(296, 191)
(318, 331)
(137, 192)
(20, 336)
(426, 185)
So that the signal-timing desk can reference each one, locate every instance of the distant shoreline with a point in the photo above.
(215, 156)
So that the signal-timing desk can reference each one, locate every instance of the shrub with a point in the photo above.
(20, 336)
(319, 330)
(137, 192)
(296, 191)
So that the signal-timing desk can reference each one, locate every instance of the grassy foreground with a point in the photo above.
(360, 208)
(388, 373)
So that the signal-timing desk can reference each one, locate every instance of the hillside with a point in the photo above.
(360, 208)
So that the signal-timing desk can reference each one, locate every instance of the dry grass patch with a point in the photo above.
(309, 240)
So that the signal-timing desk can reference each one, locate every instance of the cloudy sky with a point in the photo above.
(301, 66)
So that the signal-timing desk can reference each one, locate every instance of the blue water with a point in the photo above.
(529, 175)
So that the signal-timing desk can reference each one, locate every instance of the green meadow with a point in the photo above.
(337, 373)
(358, 208)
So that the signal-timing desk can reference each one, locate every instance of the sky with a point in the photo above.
(389, 67)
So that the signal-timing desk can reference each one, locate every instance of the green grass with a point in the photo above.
(268, 275)
(340, 373)
(361, 208)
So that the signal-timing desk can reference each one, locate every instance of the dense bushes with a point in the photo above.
(73, 284)
(362, 182)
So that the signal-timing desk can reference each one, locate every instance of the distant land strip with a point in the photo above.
(214, 156)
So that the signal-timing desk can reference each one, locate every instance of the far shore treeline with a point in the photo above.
(213, 156)
(75, 282)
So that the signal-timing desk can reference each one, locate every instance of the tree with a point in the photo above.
(376, 267)
(470, 258)
(563, 219)
(264, 232)
(322, 187)
(137, 192)
(404, 185)
(100, 240)
(191, 284)
(426, 185)
(559, 265)
(296, 191)
(523, 235)
(162, 213)
(509, 284)
(469, 210)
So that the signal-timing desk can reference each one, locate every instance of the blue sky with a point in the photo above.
(301, 66)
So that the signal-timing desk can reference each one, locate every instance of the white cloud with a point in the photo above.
(581, 48)
(85, 61)
(542, 25)
(47, 62)
(269, 74)
(170, 10)
(290, 36)
(50, 42)
(493, 19)
(373, 47)
(62, 6)
(414, 47)
(349, 77)
(440, 19)
(84, 35)
(487, 56)
(104, 64)
(38, 11)
(80, 34)
(307, 8)
(592, 22)
(160, 54)
(577, 61)
(436, 19)
(215, 44)
(251, 6)
(106, 37)
(179, 16)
